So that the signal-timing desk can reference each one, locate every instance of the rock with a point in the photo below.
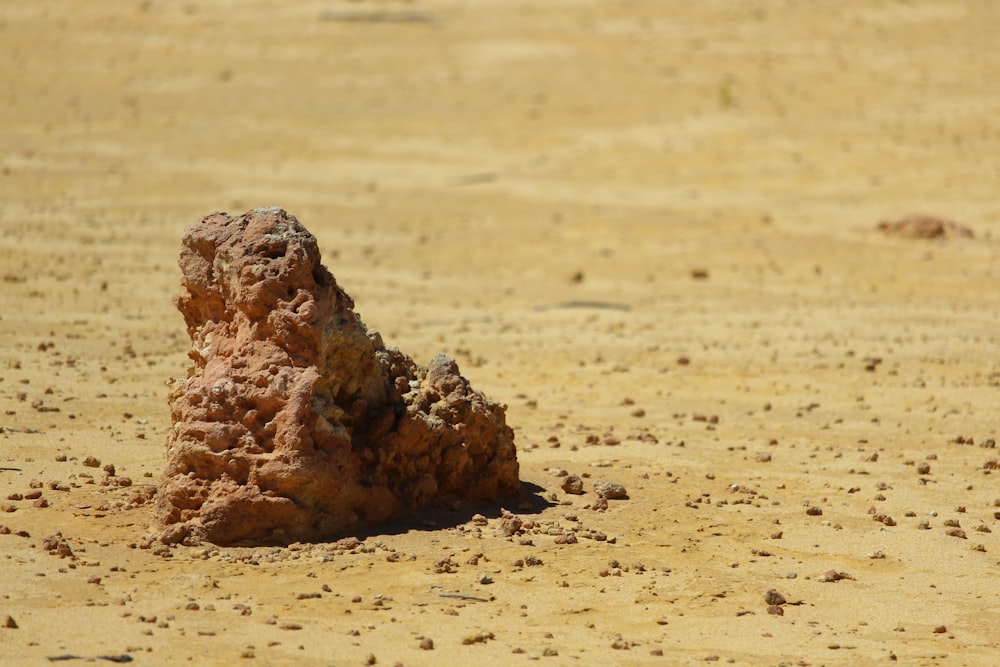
(610, 490)
(773, 597)
(510, 523)
(573, 484)
(295, 422)
(57, 545)
(831, 576)
(923, 227)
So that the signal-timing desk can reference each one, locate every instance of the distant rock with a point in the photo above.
(610, 490)
(924, 227)
(295, 422)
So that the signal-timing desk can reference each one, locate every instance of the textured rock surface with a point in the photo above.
(295, 422)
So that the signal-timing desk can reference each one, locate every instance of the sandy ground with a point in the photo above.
(649, 227)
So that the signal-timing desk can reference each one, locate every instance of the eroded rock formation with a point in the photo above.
(295, 422)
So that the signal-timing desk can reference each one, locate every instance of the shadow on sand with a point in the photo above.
(452, 512)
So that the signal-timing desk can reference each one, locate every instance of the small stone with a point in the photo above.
(427, 644)
(10, 623)
(940, 630)
(92, 462)
(923, 468)
(573, 484)
(56, 545)
(812, 510)
(775, 610)
(610, 490)
(510, 523)
(773, 597)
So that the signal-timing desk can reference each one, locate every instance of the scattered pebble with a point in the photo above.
(510, 523)
(56, 545)
(773, 597)
(610, 490)
(573, 484)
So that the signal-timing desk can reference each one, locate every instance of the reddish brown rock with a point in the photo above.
(295, 422)
(923, 227)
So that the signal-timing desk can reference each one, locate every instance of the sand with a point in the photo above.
(650, 228)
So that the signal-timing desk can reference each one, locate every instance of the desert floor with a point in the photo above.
(649, 227)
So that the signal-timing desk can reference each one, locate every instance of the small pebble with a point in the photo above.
(773, 597)
(573, 484)
(610, 490)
